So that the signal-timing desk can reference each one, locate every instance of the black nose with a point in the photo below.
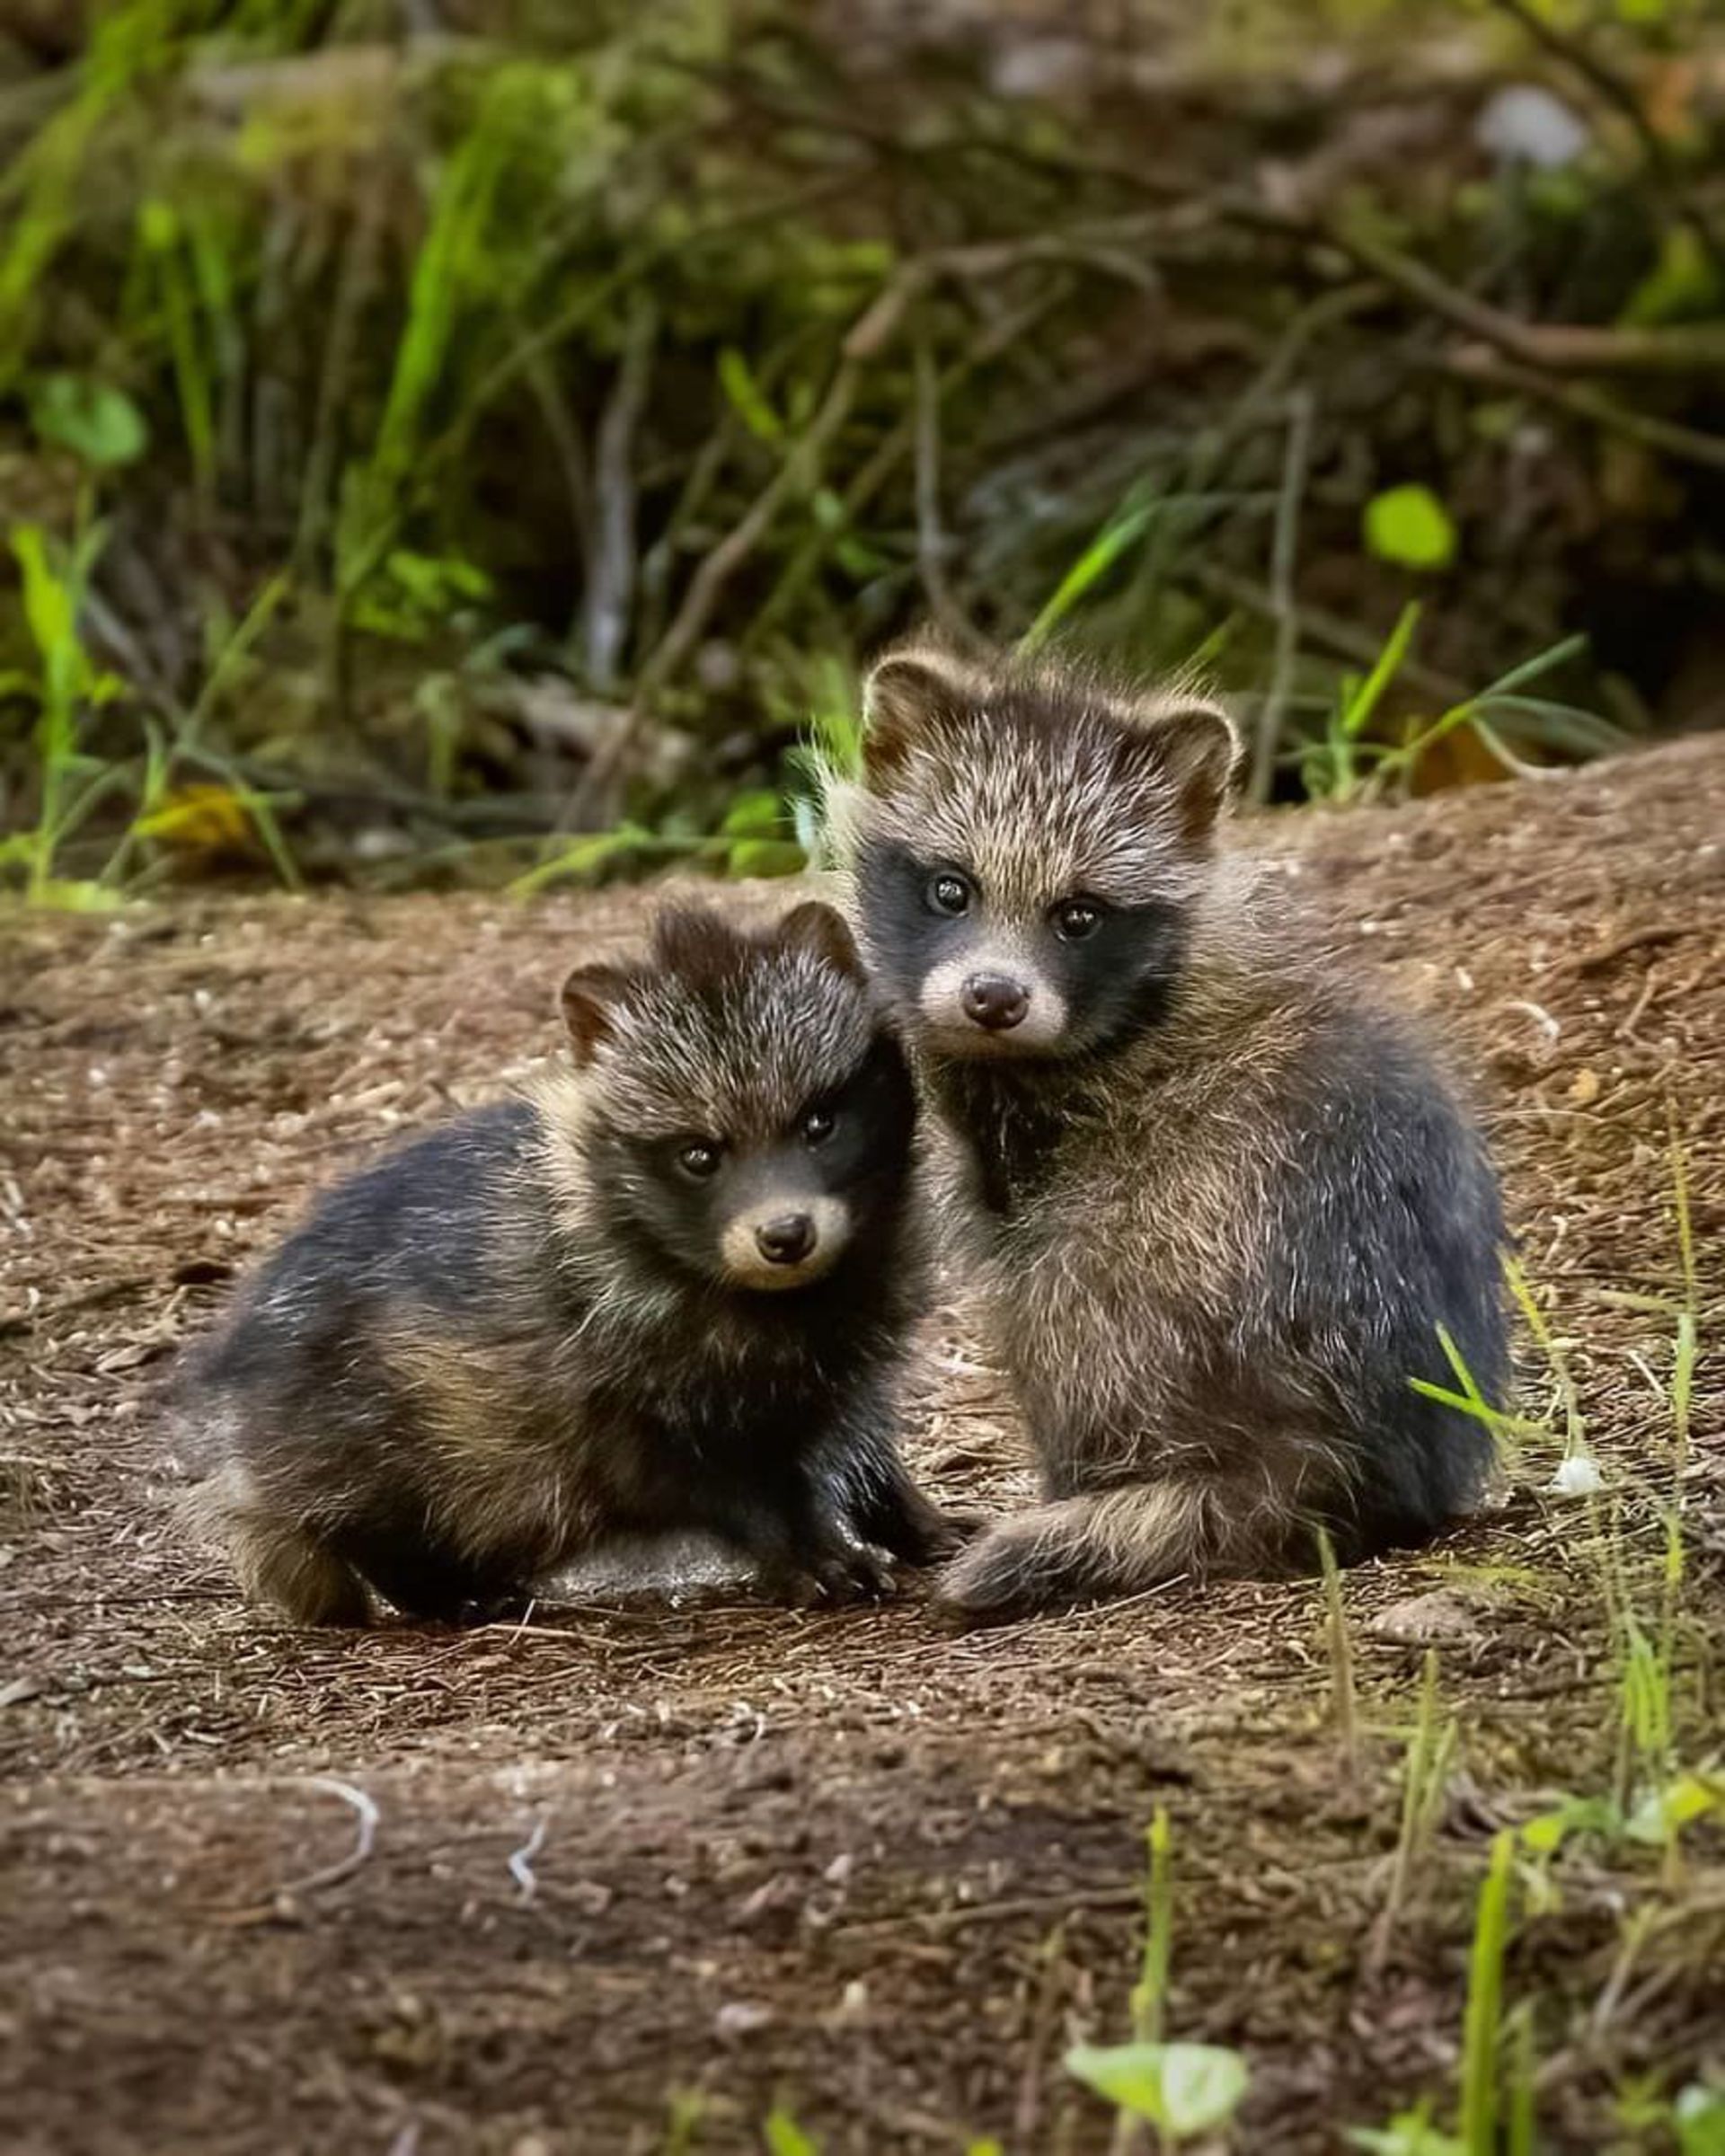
(786, 1241)
(991, 1000)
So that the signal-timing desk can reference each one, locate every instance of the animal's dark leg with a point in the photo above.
(800, 1550)
(885, 1507)
(425, 1582)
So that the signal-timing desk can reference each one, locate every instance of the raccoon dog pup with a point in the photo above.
(1225, 1204)
(668, 1291)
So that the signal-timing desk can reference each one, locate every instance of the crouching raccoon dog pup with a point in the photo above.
(667, 1292)
(1225, 1203)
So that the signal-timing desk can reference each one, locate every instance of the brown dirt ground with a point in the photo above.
(841, 1859)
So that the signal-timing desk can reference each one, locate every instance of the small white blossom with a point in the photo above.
(1524, 124)
(1578, 1477)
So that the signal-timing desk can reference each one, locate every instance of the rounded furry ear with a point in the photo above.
(823, 934)
(906, 693)
(696, 942)
(588, 999)
(1194, 749)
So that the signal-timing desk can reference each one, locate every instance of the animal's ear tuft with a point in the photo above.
(908, 694)
(1193, 748)
(589, 999)
(698, 945)
(816, 929)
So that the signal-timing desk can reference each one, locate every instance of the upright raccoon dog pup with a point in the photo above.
(1228, 1204)
(668, 1291)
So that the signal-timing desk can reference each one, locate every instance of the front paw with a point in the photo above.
(916, 1533)
(831, 1579)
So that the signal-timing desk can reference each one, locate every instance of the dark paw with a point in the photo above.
(924, 1536)
(508, 1605)
(846, 1575)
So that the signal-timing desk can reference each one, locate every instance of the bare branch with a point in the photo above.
(931, 540)
(1667, 437)
(1301, 408)
(611, 548)
(1558, 348)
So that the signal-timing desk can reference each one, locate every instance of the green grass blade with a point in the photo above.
(1680, 1199)
(1341, 1658)
(1518, 2138)
(1485, 2003)
(1151, 1990)
(1097, 559)
(1494, 1418)
(1683, 1380)
(1357, 712)
(1530, 669)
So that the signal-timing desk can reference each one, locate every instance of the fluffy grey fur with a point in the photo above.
(670, 1292)
(1224, 1203)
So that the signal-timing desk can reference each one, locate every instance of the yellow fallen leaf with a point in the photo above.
(206, 819)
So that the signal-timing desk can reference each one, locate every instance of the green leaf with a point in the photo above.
(861, 259)
(436, 581)
(1408, 2134)
(206, 816)
(1179, 2089)
(766, 857)
(47, 604)
(757, 815)
(93, 420)
(1681, 286)
(1663, 1814)
(1410, 526)
(858, 559)
(76, 897)
(1699, 2117)
(785, 2137)
(411, 593)
(1201, 2086)
(1545, 1834)
(747, 398)
(158, 222)
(582, 857)
(51, 613)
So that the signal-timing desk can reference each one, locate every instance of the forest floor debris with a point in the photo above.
(846, 1861)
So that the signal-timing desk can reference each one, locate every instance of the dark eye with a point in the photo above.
(948, 892)
(699, 1158)
(817, 1126)
(1076, 918)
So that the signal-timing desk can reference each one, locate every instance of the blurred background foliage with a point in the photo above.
(479, 439)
